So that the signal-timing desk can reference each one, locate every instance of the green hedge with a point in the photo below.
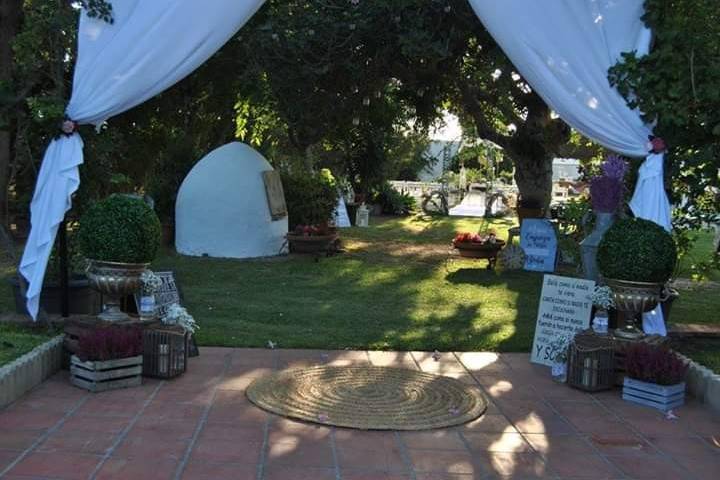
(120, 229)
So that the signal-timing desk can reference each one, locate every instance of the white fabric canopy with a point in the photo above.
(150, 46)
(564, 49)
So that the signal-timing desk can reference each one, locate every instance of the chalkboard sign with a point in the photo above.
(565, 307)
(539, 242)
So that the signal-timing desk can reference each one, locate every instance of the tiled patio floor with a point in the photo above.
(201, 426)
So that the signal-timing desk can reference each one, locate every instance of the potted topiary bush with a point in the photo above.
(119, 236)
(108, 358)
(636, 258)
(655, 376)
(311, 201)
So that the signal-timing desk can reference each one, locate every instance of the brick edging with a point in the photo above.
(702, 383)
(29, 370)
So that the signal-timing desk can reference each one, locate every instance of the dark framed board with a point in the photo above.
(275, 194)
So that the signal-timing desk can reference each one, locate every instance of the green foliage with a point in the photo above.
(677, 86)
(120, 229)
(637, 250)
(311, 198)
(394, 202)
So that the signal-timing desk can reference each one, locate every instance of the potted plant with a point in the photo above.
(636, 258)
(602, 300)
(476, 245)
(108, 358)
(655, 376)
(559, 353)
(119, 236)
(606, 194)
(311, 200)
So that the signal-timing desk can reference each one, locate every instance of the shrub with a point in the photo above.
(394, 202)
(654, 364)
(110, 343)
(637, 250)
(120, 229)
(311, 198)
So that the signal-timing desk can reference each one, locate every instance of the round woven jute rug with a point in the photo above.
(368, 398)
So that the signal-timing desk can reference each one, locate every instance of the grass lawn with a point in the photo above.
(16, 341)
(396, 287)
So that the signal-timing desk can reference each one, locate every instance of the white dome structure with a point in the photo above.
(222, 208)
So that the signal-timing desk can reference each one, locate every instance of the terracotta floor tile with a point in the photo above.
(110, 408)
(558, 445)
(372, 475)
(497, 442)
(514, 464)
(19, 439)
(531, 423)
(142, 445)
(433, 440)
(658, 425)
(592, 467)
(215, 471)
(443, 461)
(221, 451)
(75, 442)
(651, 467)
(92, 424)
(137, 469)
(705, 467)
(683, 446)
(600, 425)
(28, 419)
(47, 404)
(231, 415)
(7, 457)
(621, 444)
(377, 451)
(489, 423)
(66, 466)
(176, 427)
(447, 476)
(278, 472)
(317, 454)
(392, 359)
(285, 430)
(230, 433)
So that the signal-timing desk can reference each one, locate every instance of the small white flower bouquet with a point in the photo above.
(177, 315)
(151, 283)
(602, 297)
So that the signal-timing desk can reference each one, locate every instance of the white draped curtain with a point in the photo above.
(563, 48)
(150, 46)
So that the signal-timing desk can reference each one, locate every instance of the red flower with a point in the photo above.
(657, 145)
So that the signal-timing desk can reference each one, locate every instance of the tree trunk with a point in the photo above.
(10, 15)
(534, 178)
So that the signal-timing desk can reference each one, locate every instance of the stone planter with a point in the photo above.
(28, 371)
(652, 395)
(114, 280)
(589, 246)
(107, 375)
(83, 300)
(310, 243)
(632, 298)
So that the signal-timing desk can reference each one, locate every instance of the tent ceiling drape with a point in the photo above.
(562, 48)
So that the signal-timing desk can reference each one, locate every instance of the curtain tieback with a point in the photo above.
(68, 127)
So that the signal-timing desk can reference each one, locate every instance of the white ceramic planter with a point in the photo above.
(652, 395)
(108, 375)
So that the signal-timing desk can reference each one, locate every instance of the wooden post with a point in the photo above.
(64, 284)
